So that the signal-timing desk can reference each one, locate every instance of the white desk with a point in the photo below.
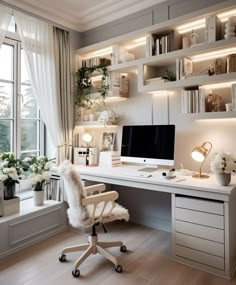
(203, 214)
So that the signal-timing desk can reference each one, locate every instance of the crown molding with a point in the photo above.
(71, 17)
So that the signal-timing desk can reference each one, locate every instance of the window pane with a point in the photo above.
(24, 74)
(6, 100)
(27, 154)
(29, 106)
(29, 135)
(12, 26)
(6, 59)
(5, 137)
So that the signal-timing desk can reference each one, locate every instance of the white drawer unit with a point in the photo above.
(199, 232)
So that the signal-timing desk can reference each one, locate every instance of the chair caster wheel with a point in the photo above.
(118, 268)
(62, 258)
(76, 273)
(123, 248)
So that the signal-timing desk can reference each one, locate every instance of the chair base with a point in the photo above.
(93, 247)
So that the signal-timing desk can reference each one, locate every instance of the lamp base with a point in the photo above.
(200, 176)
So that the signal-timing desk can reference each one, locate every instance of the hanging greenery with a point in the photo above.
(84, 85)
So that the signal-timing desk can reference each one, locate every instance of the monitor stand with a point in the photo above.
(148, 169)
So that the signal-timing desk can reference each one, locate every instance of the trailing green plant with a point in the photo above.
(84, 85)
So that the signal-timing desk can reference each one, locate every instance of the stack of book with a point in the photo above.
(167, 42)
(193, 101)
(90, 62)
(109, 158)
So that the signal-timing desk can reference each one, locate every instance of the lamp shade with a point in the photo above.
(87, 138)
(200, 154)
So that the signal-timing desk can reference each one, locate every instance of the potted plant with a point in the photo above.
(11, 171)
(39, 175)
(222, 165)
(84, 86)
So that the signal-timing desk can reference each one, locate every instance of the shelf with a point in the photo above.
(170, 57)
(192, 81)
(125, 66)
(211, 115)
(91, 124)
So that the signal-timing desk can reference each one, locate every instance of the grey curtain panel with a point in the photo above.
(65, 104)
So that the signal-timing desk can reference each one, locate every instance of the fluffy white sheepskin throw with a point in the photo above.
(78, 214)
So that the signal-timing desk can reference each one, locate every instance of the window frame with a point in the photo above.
(14, 40)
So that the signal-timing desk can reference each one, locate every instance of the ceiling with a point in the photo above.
(82, 15)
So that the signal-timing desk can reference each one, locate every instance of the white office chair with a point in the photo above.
(87, 209)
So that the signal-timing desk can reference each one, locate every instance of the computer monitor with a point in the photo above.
(148, 144)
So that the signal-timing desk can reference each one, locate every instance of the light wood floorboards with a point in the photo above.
(147, 262)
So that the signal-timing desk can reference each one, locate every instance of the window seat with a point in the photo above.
(31, 225)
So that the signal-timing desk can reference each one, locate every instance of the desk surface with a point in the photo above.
(128, 175)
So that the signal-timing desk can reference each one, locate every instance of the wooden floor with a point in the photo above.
(147, 262)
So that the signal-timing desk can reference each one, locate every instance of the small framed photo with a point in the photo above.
(108, 141)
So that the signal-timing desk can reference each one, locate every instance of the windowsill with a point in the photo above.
(27, 207)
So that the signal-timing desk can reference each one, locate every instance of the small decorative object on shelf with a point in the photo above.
(222, 165)
(230, 27)
(39, 174)
(193, 38)
(214, 103)
(127, 56)
(108, 118)
(85, 84)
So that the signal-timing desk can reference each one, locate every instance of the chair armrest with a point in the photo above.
(89, 190)
(103, 197)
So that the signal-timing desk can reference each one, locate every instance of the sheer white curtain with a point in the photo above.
(37, 42)
(5, 18)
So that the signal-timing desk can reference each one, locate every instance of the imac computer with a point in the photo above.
(151, 145)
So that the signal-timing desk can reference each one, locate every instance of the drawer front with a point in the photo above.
(200, 205)
(200, 231)
(201, 257)
(200, 244)
(200, 218)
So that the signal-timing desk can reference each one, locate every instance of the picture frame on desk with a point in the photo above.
(108, 141)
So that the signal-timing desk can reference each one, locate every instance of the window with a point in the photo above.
(21, 129)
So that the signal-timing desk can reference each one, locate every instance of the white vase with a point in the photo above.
(38, 197)
(223, 179)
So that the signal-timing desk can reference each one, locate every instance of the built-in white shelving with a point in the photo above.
(143, 61)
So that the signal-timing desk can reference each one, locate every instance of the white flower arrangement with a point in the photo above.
(39, 171)
(10, 169)
(223, 163)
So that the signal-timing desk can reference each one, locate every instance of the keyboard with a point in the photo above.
(147, 169)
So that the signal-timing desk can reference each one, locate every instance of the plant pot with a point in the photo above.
(9, 191)
(223, 179)
(38, 197)
(11, 206)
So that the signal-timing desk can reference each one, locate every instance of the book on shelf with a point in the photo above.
(231, 63)
(155, 80)
(149, 45)
(167, 42)
(191, 101)
(213, 29)
(233, 96)
(94, 61)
